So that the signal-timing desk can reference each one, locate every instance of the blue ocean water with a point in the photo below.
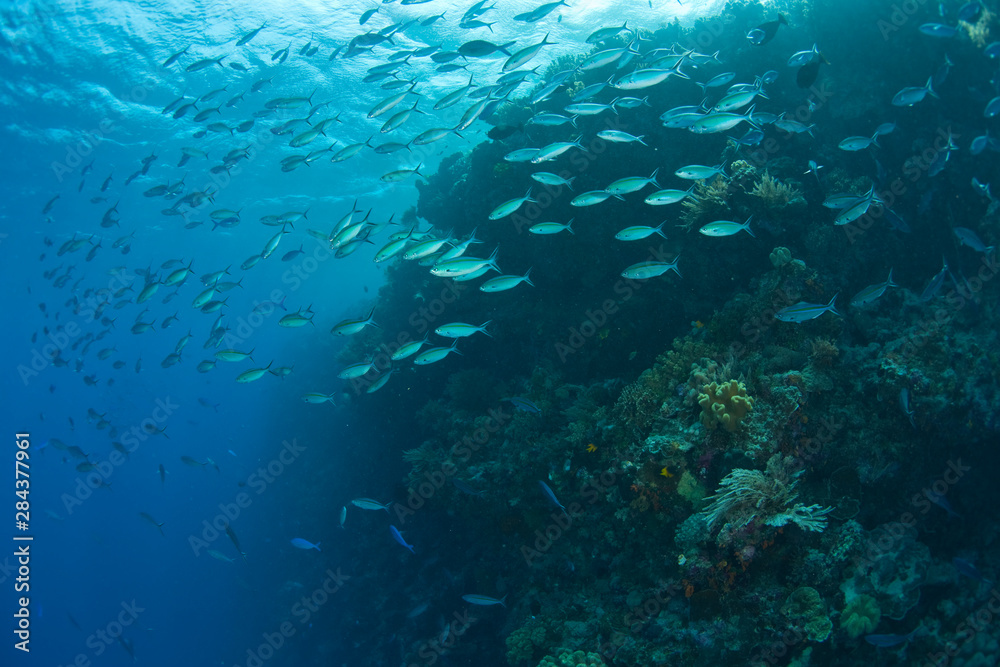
(667, 451)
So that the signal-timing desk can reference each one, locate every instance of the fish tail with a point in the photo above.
(832, 307)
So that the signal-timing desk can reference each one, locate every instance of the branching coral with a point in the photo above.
(709, 203)
(726, 404)
(774, 194)
(522, 643)
(766, 497)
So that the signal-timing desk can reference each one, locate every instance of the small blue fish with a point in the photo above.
(886, 641)
(299, 543)
(934, 286)
(524, 405)
(904, 403)
(967, 237)
(895, 221)
(396, 535)
(465, 488)
(803, 311)
(970, 11)
(872, 292)
(551, 496)
(942, 502)
(967, 569)
(938, 30)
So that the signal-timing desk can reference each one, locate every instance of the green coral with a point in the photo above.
(726, 404)
(861, 616)
(574, 659)
(774, 194)
(521, 643)
(780, 256)
(806, 609)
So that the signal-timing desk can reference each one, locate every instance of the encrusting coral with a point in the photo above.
(726, 404)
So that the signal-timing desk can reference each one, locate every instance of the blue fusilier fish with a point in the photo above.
(967, 237)
(396, 535)
(299, 543)
(967, 569)
(524, 405)
(904, 402)
(552, 496)
(934, 286)
(942, 502)
(887, 641)
(803, 311)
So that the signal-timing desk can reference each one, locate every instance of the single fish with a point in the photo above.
(802, 311)
(639, 232)
(369, 504)
(551, 496)
(967, 569)
(872, 292)
(484, 600)
(396, 535)
(886, 641)
(907, 97)
(651, 269)
(300, 543)
(765, 32)
(235, 541)
(461, 330)
(149, 519)
(726, 228)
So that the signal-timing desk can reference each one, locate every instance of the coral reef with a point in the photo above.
(523, 642)
(765, 498)
(726, 404)
(775, 195)
(574, 659)
(780, 256)
(861, 616)
(806, 610)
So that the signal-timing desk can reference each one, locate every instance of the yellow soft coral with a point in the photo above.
(726, 404)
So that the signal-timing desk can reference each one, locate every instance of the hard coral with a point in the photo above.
(574, 659)
(726, 404)
(805, 608)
